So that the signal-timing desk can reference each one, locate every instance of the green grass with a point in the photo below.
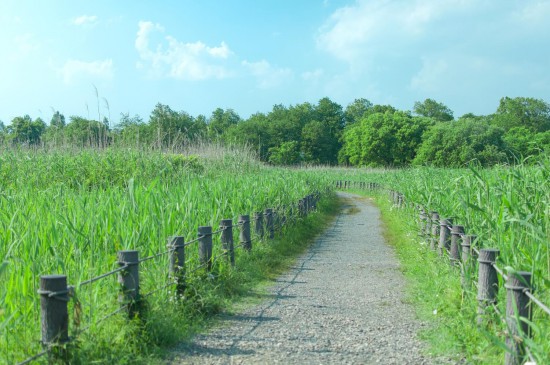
(70, 212)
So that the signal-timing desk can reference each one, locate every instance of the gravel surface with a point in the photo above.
(341, 303)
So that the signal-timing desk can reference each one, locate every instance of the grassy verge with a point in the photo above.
(434, 289)
(226, 289)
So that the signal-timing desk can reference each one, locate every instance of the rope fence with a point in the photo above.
(452, 243)
(55, 293)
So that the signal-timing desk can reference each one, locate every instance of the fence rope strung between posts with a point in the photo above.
(518, 284)
(54, 287)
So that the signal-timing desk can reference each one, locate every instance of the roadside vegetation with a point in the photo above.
(507, 208)
(68, 211)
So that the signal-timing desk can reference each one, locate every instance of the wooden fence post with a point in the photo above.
(205, 246)
(259, 224)
(268, 213)
(129, 281)
(466, 273)
(244, 235)
(227, 240)
(301, 209)
(444, 235)
(517, 307)
(177, 263)
(422, 221)
(54, 315)
(434, 230)
(456, 237)
(487, 288)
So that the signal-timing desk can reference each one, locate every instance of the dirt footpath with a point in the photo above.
(341, 303)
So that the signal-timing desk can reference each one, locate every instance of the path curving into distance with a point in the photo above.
(341, 303)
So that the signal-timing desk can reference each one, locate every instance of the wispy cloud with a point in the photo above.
(313, 75)
(25, 45)
(173, 58)
(267, 75)
(85, 20)
(73, 69)
(353, 32)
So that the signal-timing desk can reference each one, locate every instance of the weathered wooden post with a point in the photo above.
(259, 224)
(434, 230)
(177, 263)
(444, 235)
(467, 242)
(129, 281)
(244, 235)
(227, 240)
(422, 221)
(301, 208)
(276, 219)
(54, 315)
(456, 238)
(284, 212)
(268, 213)
(517, 307)
(205, 246)
(487, 288)
(401, 200)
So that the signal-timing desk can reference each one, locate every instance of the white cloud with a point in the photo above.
(267, 75)
(535, 12)
(95, 69)
(85, 20)
(313, 75)
(431, 75)
(179, 60)
(360, 30)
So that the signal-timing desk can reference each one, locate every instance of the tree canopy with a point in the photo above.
(361, 134)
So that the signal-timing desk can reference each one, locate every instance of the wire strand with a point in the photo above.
(34, 357)
(536, 301)
(112, 272)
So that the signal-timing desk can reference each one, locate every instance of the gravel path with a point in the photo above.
(341, 303)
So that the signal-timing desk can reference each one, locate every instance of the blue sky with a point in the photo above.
(249, 54)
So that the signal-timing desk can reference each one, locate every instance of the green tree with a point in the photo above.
(252, 133)
(25, 130)
(331, 115)
(288, 153)
(432, 109)
(132, 130)
(3, 132)
(384, 139)
(199, 129)
(459, 143)
(524, 143)
(86, 132)
(533, 114)
(169, 127)
(357, 110)
(220, 121)
(58, 120)
(318, 144)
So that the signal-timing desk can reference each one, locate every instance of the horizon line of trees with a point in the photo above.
(362, 134)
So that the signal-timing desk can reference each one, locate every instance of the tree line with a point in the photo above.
(361, 134)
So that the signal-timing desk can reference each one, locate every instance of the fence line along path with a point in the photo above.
(340, 303)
